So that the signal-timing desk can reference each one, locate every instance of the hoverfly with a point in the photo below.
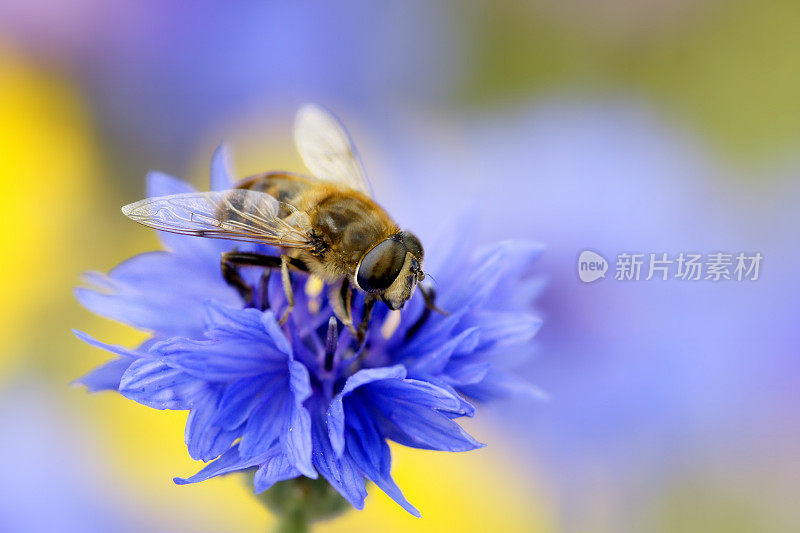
(327, 225)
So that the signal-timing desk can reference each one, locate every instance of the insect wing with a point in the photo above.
(327, 149)
(238, 215)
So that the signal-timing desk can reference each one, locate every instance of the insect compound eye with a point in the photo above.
(411, 243)
(380, 266)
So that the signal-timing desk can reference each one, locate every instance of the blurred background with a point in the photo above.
(651, 126)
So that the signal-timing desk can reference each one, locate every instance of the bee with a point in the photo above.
(326, 224)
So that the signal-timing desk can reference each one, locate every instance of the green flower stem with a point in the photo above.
(294, 522)
(302, 501)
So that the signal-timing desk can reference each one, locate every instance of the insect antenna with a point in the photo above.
(429, 275)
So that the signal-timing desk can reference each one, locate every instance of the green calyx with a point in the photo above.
(302, 501)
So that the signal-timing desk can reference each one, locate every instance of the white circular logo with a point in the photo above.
(591, 266)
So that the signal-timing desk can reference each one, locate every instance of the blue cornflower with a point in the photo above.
(305, 398)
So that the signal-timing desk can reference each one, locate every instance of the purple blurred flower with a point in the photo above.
(181, 68)
(261, 395)
(55, 475)
(649, 379)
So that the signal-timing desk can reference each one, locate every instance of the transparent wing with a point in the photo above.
(237, 215)
(327, 149)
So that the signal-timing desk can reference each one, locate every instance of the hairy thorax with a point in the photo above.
(345, 223)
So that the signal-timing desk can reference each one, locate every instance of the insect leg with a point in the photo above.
(429, 294)
(231, 274)
(341, 299)
(366, 315)
(267, 261)
(286, 281)
(430, 297)
(231, 261)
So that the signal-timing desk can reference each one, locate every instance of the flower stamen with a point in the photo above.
(263, 290)
(331, 343)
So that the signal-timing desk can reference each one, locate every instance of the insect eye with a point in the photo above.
(412, 244)
(380, 266)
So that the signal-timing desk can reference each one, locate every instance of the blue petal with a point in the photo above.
(275, 332)
(362, 377)
(341, 472)
(371, 454)
(282, 417)
(225, 322)
(275, 468)
(113, 348)
(265, 425)
(417, 414)
(420, 393)
(423, 428)
(499, 328)
(205, 439)
(221, 169)
(498, 384)
(152, 382)
(220, 360)
(522, 293)
(336, 414)
(465, 408)
(465, 371)
(518, 286)
(517, 255)
(450, 250)
(98, 280)
(133, 312)
(296, 435)
(107, 376)
(144, 293)
(434, 361)
(161, 184)
(432, 333)
(229, 461)
(308, 354)
(507, 261)
(154, 272)
(242, 397)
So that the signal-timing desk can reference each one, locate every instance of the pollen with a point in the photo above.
(314, 287)
(390, 324)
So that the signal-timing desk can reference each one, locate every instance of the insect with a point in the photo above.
(327, 225)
